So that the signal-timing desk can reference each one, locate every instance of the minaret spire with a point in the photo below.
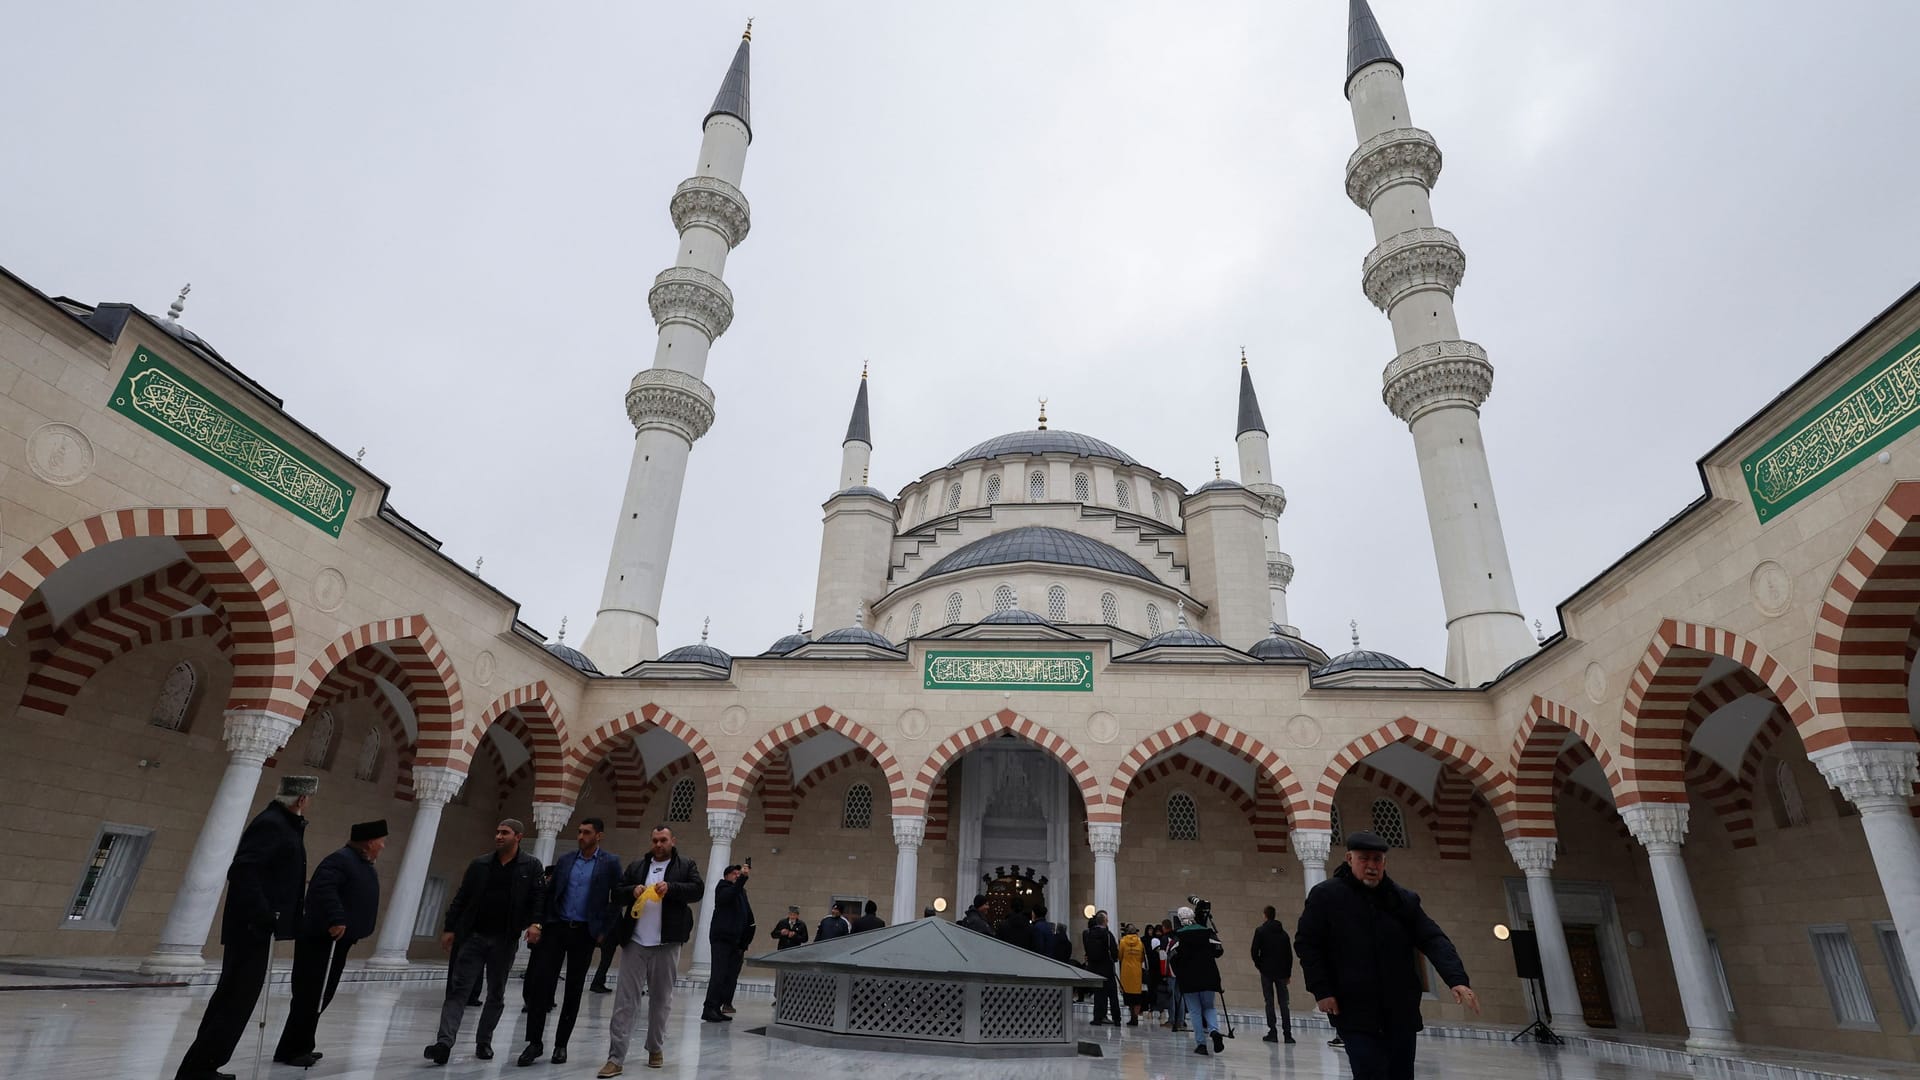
(1256, 475)
(669, 404)
(856, 450)
(1365, 43)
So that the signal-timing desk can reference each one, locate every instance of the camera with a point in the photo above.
(1202, 910)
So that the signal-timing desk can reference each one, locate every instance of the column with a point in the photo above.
(723, 826)
(909, 831)
(548, 819)
(1534, 855)
(252, 735)
(1661, 828)
(433, 787)
(1313, 847)
(1104, 839)
(1878, 779)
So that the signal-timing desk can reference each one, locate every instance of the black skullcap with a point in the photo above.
(1365, 841)
(368, 830)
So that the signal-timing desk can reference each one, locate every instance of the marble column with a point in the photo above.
(722, 826)
(1312, 846)
(1535, 855)
(1661, 828)
(433, 787)
(1104, 839)
(252, 735)
(909, 832)
(548, 819)
(1878, 779)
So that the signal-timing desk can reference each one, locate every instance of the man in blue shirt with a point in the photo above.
(577, 918)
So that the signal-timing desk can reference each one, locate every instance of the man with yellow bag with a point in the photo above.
(654, 899)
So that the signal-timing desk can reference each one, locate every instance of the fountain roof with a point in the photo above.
(931, 946)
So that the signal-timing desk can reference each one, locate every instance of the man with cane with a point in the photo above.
(264, 881)
(342, 901)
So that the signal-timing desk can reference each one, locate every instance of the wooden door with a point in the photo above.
(1590, 976)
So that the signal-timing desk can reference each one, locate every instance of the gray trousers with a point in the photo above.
(648, 967)
(488, 956)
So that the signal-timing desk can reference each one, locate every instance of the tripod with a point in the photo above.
(1539, 1028)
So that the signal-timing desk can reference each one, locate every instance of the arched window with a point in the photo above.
(953, 608)
(993, 488)
(1003, 598)
(368, 767)
(680, 803)
(1036, 486)
(1082, 488)
(1109, 608)
(856, 812)
(176, 698)
(1183, 818)
(1159, 505)
(1793, 808)
(1153, 619)
(913, 621)
(319, 738)
(953, 496)
(1338, 833)
(1123, 494)
(1057, 603)
(1388, 823)
(886, 628)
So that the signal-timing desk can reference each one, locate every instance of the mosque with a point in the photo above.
(1041, 670)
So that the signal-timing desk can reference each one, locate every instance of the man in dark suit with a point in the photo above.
(655, 899)
(834, 925)
(264, 882)
(870, 919)
(576, 919)
(499, 897)
(1273, 959)
(728, 936)
(790, 931)
(343, 900)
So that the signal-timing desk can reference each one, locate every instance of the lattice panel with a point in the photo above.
(806, 998)
(1021, 1014)
(906, 1008)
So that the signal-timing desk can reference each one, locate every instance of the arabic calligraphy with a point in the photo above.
(1878, 405)
(993, 671)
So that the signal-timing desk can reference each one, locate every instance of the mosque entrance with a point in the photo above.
(1007, 886)
(1011, 816)
(1590, 976)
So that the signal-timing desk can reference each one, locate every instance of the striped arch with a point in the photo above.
(627, 773)
(1652, 746)
(1454, 799)
(778, 799)
(1585, 796)
(250, 600)
(856, 757)
(1731, 799)
(1266, 840)
(585, 755)
(939, 812)
(1536, 751)
(530, 714)
(664, 780)
(358, 677)
(433, 689)
(1860, 641)
(139, 613)
(1288, 797)
(495, 770)
(824, 718)
(1483, 778)
(1099, 810)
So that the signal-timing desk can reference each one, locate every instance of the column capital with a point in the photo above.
(436, 784)
(724, 825)
(1872, 777)
(253, 735)
(1533, 854)
(1312, 845)
(909, 830)
(1104, 838)
(1660, 827)
(550, 817)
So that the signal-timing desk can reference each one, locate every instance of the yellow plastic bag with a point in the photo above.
(640, 902)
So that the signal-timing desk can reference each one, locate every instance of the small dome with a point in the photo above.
(855, 635)
(574, 658)
(1016, 616)
(1182, 636)
(1219, 485)
(1045, 442)
(1362, 660)
(1511, 668)
(698, 654)
(1041, 543)
(862, 489)
(1281, 647)
(787, 644)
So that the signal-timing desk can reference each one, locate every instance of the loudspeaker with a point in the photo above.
(1526, 955)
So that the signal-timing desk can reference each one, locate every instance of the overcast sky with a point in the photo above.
(431, 228)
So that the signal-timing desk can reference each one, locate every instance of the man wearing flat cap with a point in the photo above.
(1356, 943)
(343, 899)
(791, 930)
(264, 881)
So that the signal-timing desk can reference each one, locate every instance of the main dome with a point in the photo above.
(1040, 543)
(1045, 442)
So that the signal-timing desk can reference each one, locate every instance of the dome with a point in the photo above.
(1016, 617)
(1045, 442)
(1362, 660)
(1041, 543)
(1182, 636)
(862, 489)
(855, 635)
(787, 644)
(698, 654)
(574, 658)
(1281, 647)
(1219, 485)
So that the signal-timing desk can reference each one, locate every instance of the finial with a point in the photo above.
(705, 625)
(1043, 414)
(1216, 467)
(1354, 624)
(563, 629)
(863, 369)
(1243, 356)
(179, 303)
(800, 623)
(478, 563)
(860, 618)
(1539, 633)
(360, 456)
(1180, 612)
(748, 36)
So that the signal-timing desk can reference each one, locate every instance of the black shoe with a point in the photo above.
(724, 1018)
(473, 1002)
(1201, 1049)
(1289, 1038)
(304, 1061)
(1336, 1041)
(559, 1055)
(531, 1054)
(1269, 1037)
(438, 1053)
(483, 1051)
(712, 1017)
(1219, 1044)
(1096, 1023)
(601, 988)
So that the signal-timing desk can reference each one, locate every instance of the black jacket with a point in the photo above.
(266, 878)
(833, 926)
(684, 889)
(794, 924)
(1015, 929)
(1196, 958)
(344, 891)
(868, 922)
(1102, 951)
(732, 914)
(1272, 951)
(1357, 946)
(977, 922)
(526, 893)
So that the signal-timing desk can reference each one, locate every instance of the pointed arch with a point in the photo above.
(823, 718)
(1099, 810)
(358, 677)
(1860, 641)
(1536, 751)
(143, 612)
(626, 771)
(530, 714)
(1483, 778)
(433, 689)
(1421, 806)
(1287, 795)
(1270, 837)
(778, 799)
(585, 755)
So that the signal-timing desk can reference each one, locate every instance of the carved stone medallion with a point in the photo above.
(913, 724)
(1304, 731)
(734, 720)
(484, 668)
(1102, 727)
(60, 454)
(330, 591)
(1596, 683)
(1772, 588)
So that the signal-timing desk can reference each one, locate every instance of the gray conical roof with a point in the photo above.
(735, 91)
(1250, 418)
(927, 947)
(1365, 43)
(858, 430)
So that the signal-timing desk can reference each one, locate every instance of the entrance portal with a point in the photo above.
(1011, 816)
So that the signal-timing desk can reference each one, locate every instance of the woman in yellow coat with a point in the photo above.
(1132, 952)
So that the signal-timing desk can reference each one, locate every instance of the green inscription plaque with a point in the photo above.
(169, 404)
(1009, 671)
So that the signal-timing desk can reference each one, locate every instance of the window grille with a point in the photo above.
(1793, 808)
(1159, 505)
(993, 488)
(953, 496)
(1889, 939)
(1153, 620)
(107, 882)
(856, 811)
(1003, 598)
(368, 767)
(1057, 603)
(1036, 486)
(913, 621)
(953, 608)
(1082, 488)
(1183, 818)
(1109, 608)
(319, 738)
(1339, 834)
(1388, 823)
(680, 803)
(1123, 494)
(433, 897)
(170, 708)
(1840, 970)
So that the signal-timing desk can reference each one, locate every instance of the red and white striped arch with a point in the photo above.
(824, 718)
(1483, 778)
(1413, 800)
(358, 678)
(585, 755)
(140, 613)
(1286, 795)
(1536, 751)
(627, 774)
(1860, 655)
(1268, 838)
(1099, 809)
(433, 689)
(529, 714)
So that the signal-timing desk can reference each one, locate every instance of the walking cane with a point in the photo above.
(266, 1007)
(326, 976)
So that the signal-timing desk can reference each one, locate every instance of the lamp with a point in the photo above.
(1501, 932)
(939, 903)
(1089, 910)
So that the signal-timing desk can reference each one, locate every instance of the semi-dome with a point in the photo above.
(1016, 617)
(1044, 544)
(702, 653)
(574, 658)
(855, 635)
(1045, 442)
(1362, 660)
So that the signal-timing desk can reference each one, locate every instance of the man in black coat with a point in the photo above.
(1103, 956)
(1357, 939)
(500, 896)
(1016, 928)
(790, 931)
(976, 917)
(869, 919)
(575, 919)
(343, 901)
(1273, 959)
(264, 883)
(835, 924)
(654, 899)
(728, 937)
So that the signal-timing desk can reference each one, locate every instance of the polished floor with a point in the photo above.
(378, 1031)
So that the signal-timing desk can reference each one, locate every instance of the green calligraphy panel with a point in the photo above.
(1009, 671)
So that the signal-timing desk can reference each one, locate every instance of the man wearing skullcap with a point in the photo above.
(264, 881)
(342, 901)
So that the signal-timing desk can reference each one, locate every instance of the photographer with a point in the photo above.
(1196, 953)
(730, 934)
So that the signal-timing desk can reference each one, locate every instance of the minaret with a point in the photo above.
(1256, 475)
(856, 451)
(856, 538)
(669, 404)
(1438, 381)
